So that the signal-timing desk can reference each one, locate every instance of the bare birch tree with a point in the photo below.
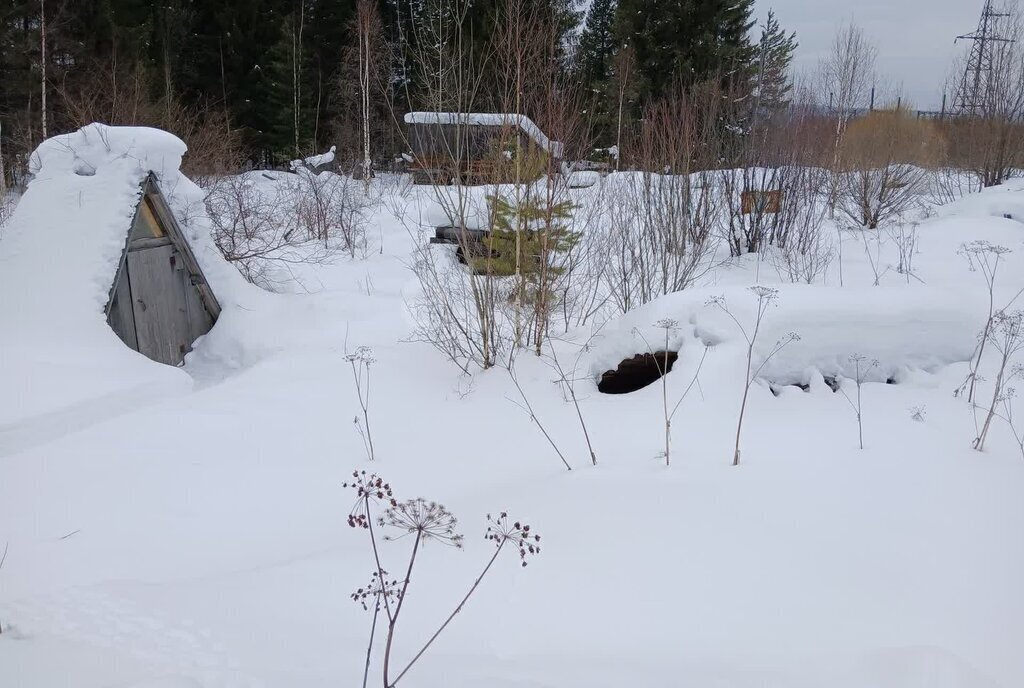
(847, 75)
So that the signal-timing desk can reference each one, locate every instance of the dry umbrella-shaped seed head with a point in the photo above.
(377, 589)
(362, 354)
(501, 532)
(426, 520)
(368, 488)
(764, 293)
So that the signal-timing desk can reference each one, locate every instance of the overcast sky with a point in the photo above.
(914, 37)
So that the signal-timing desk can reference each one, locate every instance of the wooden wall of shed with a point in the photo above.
(462, 141)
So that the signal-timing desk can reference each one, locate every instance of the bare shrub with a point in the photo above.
(884, 172)
(332, 209)
(660, 237)
(661, 219)
(7, 204)
(847, 75)
(457, 311)
(904, 237)
(256, 231)
(807, 251)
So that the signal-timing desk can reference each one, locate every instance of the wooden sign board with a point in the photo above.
(761, 201)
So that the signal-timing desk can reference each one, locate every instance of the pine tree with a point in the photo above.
(688, 41)
(774, 57)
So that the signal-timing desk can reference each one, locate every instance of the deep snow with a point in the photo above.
(187, 535)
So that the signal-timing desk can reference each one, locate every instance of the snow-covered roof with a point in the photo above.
(489, 119)
(60, 253)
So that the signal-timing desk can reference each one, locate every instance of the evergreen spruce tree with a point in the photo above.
(594, 64)
(774, 57)
(597, 45)
(688, 41)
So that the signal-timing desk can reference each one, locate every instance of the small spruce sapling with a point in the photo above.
(421, 521)
(766, 296)
(361, 361)
(861, 367)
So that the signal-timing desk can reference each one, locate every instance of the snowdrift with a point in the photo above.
(59, 256)
(903, 329)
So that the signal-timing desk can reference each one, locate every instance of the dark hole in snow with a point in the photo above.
(832, 382)
(637, 372)
(890, 381)
(777, 388)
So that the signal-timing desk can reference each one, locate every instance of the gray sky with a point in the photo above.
(914, 37)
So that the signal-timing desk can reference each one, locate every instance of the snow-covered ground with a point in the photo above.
(167, 532)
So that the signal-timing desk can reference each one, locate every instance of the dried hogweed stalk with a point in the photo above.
(426, 520)
(368, 488)
(500, 532)
(378, 588)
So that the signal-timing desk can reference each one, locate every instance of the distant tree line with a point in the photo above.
(273, 79)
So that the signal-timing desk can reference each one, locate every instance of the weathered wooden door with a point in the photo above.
(160, 303)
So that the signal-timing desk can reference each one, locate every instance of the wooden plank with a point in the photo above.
(199, 319)
(163, 213)
(148, 243)
(159, 304)
(120, 315)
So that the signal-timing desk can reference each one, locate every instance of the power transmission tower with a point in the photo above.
(975, 87)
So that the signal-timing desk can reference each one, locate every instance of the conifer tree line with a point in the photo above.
(275, 79)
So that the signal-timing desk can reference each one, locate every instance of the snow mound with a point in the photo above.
(903, 329)
(60, 252)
